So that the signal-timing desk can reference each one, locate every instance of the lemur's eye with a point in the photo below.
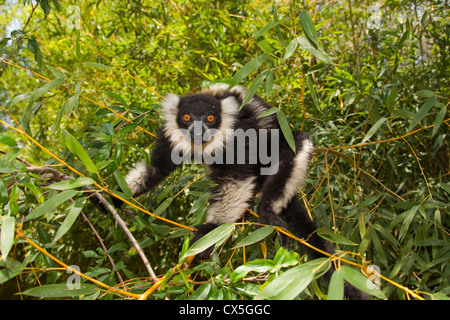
(186, 117)
(210, 118)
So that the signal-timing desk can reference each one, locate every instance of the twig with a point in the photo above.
(59, 176)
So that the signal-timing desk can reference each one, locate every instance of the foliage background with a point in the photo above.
(377, 114)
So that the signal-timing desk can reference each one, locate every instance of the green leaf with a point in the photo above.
(33, 46)
(248, 68)
(45, 7)
(163, 206)
(17, 99)
(374, 129)
(284, 125)
(425, 93)
(47, 87)
(308, 27)
(306, 45)
(251, 91)
(7, 140)
(290, 49)
(423, 111)
(255, 236)
(75, 147)
(440, 117)
(70, 105)
(60, 290)
(258, 266)
(269, 26)
(3, 192)
(71, 184)
(292, 282)
(7, 235)
(51, 204)
(313, 92)
(70, 218)
(391, 99)
(202, 292)
(329, 235)
(268, 112)
(117, 97)
(218, 235)
(9, 268)
(269, 83)
(336, 287)
(123, 184)
(359, 281)
(96, 65)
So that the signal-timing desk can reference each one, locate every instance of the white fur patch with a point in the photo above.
(169, 108)
(298, 175)
(136, 177)
(231, 201)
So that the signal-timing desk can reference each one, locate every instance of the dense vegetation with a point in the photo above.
(80, 87)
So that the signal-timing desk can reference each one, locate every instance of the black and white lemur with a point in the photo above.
(246, 155)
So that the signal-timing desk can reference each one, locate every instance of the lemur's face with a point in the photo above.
(197, 114)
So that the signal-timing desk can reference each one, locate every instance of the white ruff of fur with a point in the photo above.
(136, 178)
(233, 200)
(297, 177)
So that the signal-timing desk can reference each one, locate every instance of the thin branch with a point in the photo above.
(59, 176)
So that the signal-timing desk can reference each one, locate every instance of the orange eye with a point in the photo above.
(210, 118)
(186, 117)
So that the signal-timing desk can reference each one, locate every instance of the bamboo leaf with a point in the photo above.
(313, 92)
(308, 27)
(117, 97)
(163, 206)
(255, 236)
(7, 140)
(440, 117)
(7, 235)
(123, 184)
(77, 206)
(329, 235)
(290, 49)
(423, 111)
(291, 283)
(217, 235)
(71, 184)
(284, 125)
(269, 26)
(248, 68)
(306, 45)
(257, 266)
(251, 91)
(96, 65)
(51, 204)
(336, 287)
(359, 281)
(268, 112)
(75, 147)
(60, 290)
(374, 129)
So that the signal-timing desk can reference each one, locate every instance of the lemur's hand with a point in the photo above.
(275, 220)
